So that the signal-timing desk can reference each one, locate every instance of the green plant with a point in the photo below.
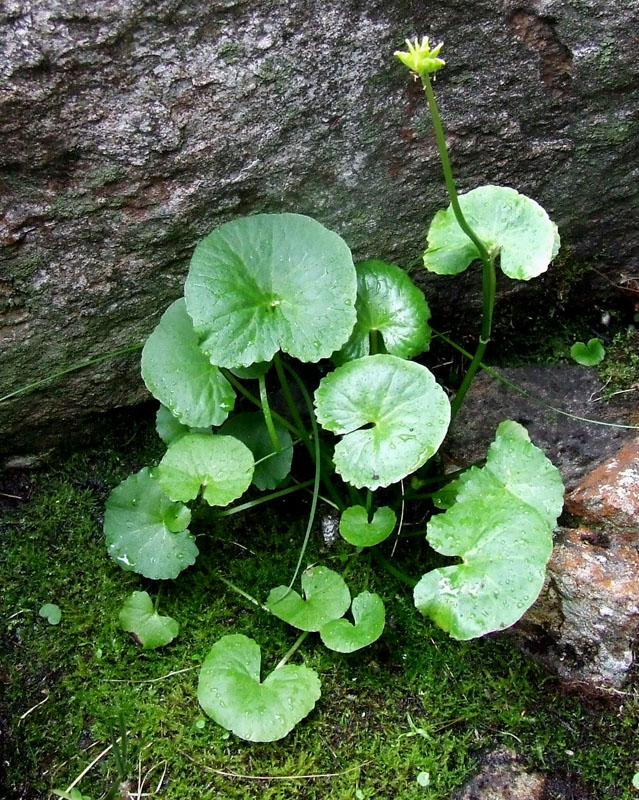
(588, 355)
(268, 290)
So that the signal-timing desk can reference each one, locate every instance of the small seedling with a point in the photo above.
(140, 618)
(51, 612)
(588, 355)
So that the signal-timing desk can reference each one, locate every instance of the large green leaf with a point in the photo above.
(408, 410)
(369, 616)
(180, 375)
(145, 531)
(250, 428)
(358, 531)
(271, 282)
(139, 617)
(507, 222)
(230, 691)
(389, 303)
(221, 465)
(502, 529)
(326, 598)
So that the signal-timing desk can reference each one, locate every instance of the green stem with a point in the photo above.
(369, 504)
(374, 344)
(157, 599)
(290, 402)
(30, 386)
(398, 573)
(238, 386)
(489, 282)
(268, 419)
(295, 646)
(272, 496)
(241, 592)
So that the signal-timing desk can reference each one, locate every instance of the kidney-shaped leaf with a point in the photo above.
(369, 615)
(145, 531)
(502, 530)
(139, 617)
(222, 465)
(271, 282)
(179, 374)
(250, 428)
(408, 410)
(358, 531)
(230, 691)
(387, 302)
(588, 355)
(506, 222)
(326, 598)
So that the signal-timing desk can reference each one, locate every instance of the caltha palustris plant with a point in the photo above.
(263, 293)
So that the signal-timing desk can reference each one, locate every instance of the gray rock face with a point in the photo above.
(131, 128)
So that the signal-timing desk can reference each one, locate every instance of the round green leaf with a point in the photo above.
(327, 598)
(229, 691)
(251, 429)
(139, 617)
(271, 282)
(51, 612)
(387, 302)
(505, 545)
(146, 532)
(369, 615)
(588, 355)
(169, 428)
(357, 530)
(501, 525)
(507, 222)
(221, 464)
(408, 410)
(179, 374)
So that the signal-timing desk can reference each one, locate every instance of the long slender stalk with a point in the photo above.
(489, 281)
(288, 655)
(82, 365)
(227, 512)
(268, 418)
(390, 567)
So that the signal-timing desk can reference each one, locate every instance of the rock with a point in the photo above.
(610, 493)
(573, 445)
(131, 128)
(586, 620)
(503, 776)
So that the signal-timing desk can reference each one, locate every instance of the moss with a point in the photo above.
(463, 697)
(620, 368)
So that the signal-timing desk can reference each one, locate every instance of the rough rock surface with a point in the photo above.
(131, 128)
(503, 776)
(586, 620)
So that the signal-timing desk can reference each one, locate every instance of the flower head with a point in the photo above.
(420, 58)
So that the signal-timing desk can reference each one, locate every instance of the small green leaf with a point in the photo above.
(271, 282)
(501, 526)
(387, 302)
(326, 598)
(392, 414)
(179, 374)
(358, 531)
(369, 615)
(221, 464)
(251, 429)
(139, 617)
(588, 355)
(507, 223)
(423, 779)
(74, 794)
(145, 531)
(635, 780)
(51, 612)
(230, 691)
